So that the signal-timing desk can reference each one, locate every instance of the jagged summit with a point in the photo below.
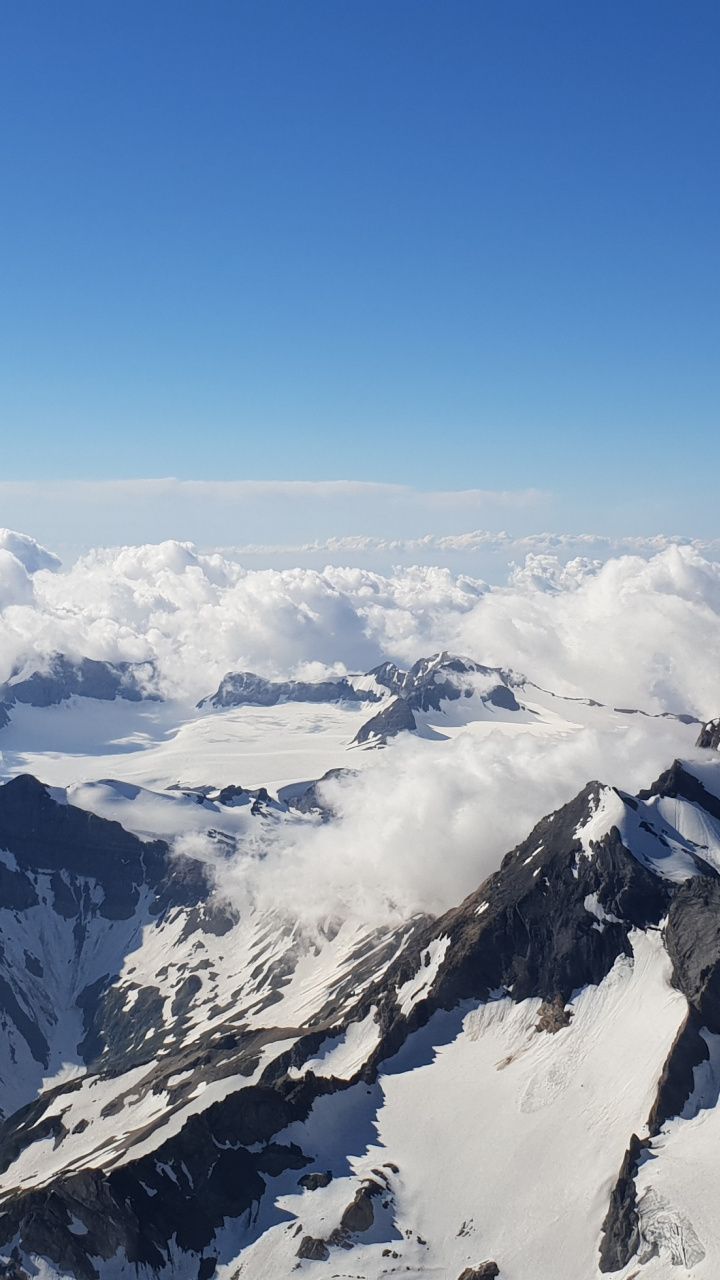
(427, 686)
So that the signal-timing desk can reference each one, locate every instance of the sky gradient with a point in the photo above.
(458, 245)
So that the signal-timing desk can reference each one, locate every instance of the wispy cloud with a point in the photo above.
(235, 491)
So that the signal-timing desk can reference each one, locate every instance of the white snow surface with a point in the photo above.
(506, 1141)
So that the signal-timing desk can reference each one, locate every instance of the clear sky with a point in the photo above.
(462, 244)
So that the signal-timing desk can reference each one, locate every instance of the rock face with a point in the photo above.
(621, 1228)
(209, 1083)
(395, 717)
(710, 735)
(245, 689)
(61, 678)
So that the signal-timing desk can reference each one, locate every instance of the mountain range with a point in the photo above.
(523, 1086)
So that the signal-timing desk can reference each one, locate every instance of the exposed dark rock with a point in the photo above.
(710, 735)
(692, 938)
(245, 689)
(11, 1270)
(396, 717)
(679, 784)
(32, 964)
(677, 1079)
(360, 1214)
(311, 1247)
(61, 678)
(620, 1229)
(485, 1271)
(16, 889)
(313, 1181)
(553, 1016)
(44, 835)
(31, 1033)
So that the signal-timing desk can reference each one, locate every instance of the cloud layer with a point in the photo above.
(426, 825)
(633, 631)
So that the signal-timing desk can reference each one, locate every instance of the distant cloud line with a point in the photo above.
(484, 540)
(244, 490)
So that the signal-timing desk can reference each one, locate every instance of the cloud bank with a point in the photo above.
(632, 631)
(425, 826)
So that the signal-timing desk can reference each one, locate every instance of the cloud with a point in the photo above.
(29, 552)
(479, 540)
(426, 825)
(15, 583)
(632, 631)
(239, 491)
(221, 512)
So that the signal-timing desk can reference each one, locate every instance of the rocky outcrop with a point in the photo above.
(709, 737)
(395, 717)
(61, 678)
(314, 1249)
(485, 1271)
(360, 1214)
(620, 1229)
(313, 1181)
(245, 689)
(679, 783)
(692, 938)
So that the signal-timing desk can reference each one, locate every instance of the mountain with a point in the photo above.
(431, 684)
(60, 678)
(245, 689)
(446, 692)
(525, 1087)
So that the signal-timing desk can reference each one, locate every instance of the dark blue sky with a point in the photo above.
(469, 243)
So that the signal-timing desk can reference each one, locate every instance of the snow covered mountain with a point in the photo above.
(446, 691)
(437, 694)
(245, 689)
(524, 1086)
(59, 678)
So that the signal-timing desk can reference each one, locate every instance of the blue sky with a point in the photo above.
(469, 244)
